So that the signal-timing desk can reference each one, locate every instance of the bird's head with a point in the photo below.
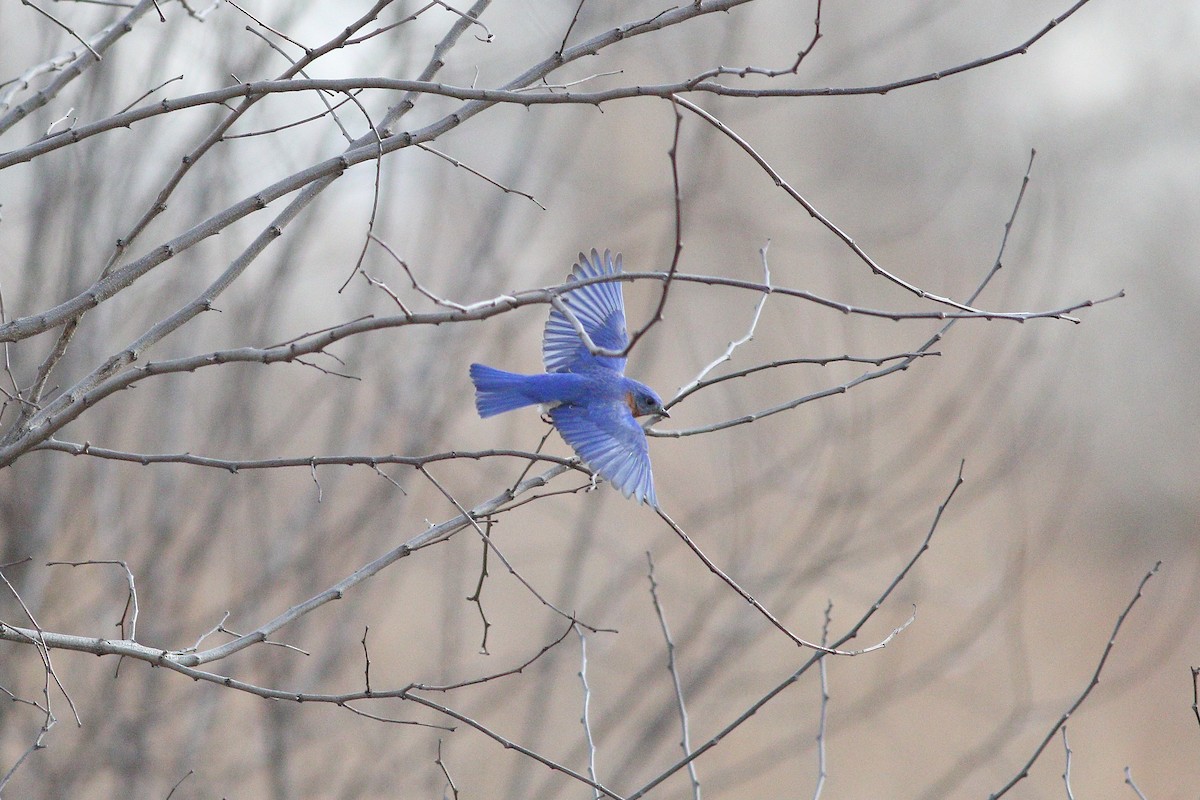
(643, 401)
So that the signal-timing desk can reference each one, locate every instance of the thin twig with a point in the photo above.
(445, 772)
(694, 386)
(1092, 684)
(413, 278)
(366, 660)
(186, 775)
(570, 27)
(823, 671)
(1132, 785)
(375, 194)
(280, 34)
(488, 36)
(657, 316)
(547, 86)
(473, 522)
(455, 162)
(768, 72)
(685, 741)
(846, 239)
(265, 131)
(393, 720)
(1196, 693)
(1066, 776)
(139, 99)
(517, 670)
(779, 688)
(64, 26)
(585, 718)
(516, 92)
(378, 284)
(235, 465)
(698, 382)
(130, 612)
(43, 650)
(476, 596)
(385, 28)
(222, 629)
(329, 108)
(731, 583)
(312, 466)
(509, 744)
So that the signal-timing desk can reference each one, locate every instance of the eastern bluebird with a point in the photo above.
(589, 399)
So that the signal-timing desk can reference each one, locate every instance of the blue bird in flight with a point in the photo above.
(589, 399)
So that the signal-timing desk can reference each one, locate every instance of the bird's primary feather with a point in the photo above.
(612, 443)
(600, 309)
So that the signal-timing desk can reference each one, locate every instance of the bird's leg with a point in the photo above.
(595, 478)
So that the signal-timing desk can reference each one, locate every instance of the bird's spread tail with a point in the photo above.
(497, 391)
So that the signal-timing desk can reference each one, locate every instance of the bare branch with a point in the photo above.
(139, 99)
(1066, 776)
(814, 213)
(1196, 693)
(265, 26)
(472, 520)
(366, 660)
(37, 638)
(69, 66)
(476, 597)
(186, 775)
(174, 661)
(509, 744)
(823, 669)
(698, 381)
(585, 718)
(1112, 639)
(433, 535)
(685, 741)
(517, 670)
(469, 19)
(656, 317)
(455, 162)
(445, 772)
(130, 614)
(760, 608)
(816, 658)
(516, 91)
(64, 26)
(1132, 785)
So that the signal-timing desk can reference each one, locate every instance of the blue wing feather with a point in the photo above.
(611, 443)
(599, 307)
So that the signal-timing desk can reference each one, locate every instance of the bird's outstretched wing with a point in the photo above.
(600, 309)
(611, 443)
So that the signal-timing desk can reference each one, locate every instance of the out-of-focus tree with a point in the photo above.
(248, 252)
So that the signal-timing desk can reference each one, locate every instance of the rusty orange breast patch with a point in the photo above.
(629, 401)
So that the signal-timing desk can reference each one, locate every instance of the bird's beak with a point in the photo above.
(662, 412)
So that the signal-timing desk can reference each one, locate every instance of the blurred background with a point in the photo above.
(1079, 441)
